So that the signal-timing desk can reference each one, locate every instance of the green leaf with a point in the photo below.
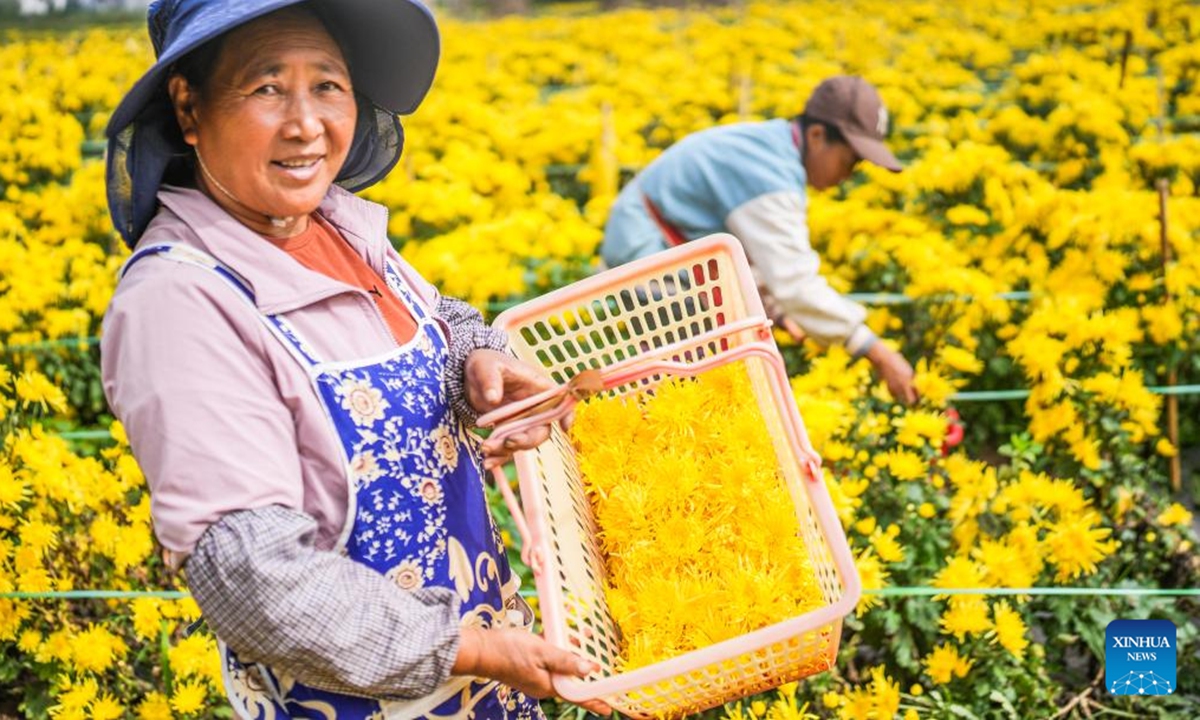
(1094, 638)
(999, 698)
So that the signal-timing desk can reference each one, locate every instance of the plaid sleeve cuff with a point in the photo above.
(320, 617)
(468, 332)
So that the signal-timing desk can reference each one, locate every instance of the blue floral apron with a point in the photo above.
(417, 514)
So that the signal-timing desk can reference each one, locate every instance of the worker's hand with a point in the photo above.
(894, 370)
(789, 326)
(494, 379)
(773, 309)
(521, 660)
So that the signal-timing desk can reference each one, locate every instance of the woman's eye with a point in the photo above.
(329, 86)
(267, 90)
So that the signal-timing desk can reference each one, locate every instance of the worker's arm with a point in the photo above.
(316, 615)
(773, 228)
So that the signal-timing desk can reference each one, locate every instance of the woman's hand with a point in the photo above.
(521, 660)
(495, 379)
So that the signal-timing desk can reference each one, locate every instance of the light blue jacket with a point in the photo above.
(698, 182)
(747, 180)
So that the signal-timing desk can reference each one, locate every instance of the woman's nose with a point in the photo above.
(303, 120)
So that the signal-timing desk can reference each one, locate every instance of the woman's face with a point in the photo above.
(273, 122)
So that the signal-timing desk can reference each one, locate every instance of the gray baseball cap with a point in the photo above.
(854, 107)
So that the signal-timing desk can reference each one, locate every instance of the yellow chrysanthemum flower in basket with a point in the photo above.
(701, 537)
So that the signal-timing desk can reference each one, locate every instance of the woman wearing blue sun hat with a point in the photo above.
(297, 396)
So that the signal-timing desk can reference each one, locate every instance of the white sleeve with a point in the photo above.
(773, 229)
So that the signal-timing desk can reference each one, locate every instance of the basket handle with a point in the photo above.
(531, 544)
(556, 403)
(552, 404)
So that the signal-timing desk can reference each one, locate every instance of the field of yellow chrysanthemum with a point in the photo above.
(1036, 134)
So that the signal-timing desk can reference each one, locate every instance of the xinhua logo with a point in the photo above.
(1139, 657)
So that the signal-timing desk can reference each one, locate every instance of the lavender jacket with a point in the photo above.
(219, 415)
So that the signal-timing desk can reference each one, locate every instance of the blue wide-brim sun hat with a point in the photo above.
(392, 48)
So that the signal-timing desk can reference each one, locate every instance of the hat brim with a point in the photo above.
(392, 48)
(873, 151)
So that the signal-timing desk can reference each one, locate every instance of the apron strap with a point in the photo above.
(395, 281)
(278, 326)
(419, 707)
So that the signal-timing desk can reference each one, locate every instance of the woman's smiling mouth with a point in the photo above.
(299, 168)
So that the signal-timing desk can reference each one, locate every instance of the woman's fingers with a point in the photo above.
(598, 707)
(523, 661)
(485, 380)
(494, 379)
(529, 439)
(525, 440)
(562, 662)
(583, 668)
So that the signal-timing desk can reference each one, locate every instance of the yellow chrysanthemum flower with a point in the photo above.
(147, 617)
(29, 642)
(967, 615)
(189, 696)
(1010, 629)
(1176, 514)
(106, 707)
(918, 428)
(117, 428)
(1076, 544)
(75, 697)
(195, 655)
(96, 649)
(13, 488)
(873, 576)
(155, 706)
(38, 536)
(34, 388)
(960, 572)
(886, 545)
(944, 664)
(933, 387)
(878, 699)
(866, 525)
(959, 359)
(1163, 322)
(906, 465)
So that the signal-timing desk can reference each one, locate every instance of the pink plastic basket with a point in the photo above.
(678, 312)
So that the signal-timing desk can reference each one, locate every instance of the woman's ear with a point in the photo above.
(183, 99)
